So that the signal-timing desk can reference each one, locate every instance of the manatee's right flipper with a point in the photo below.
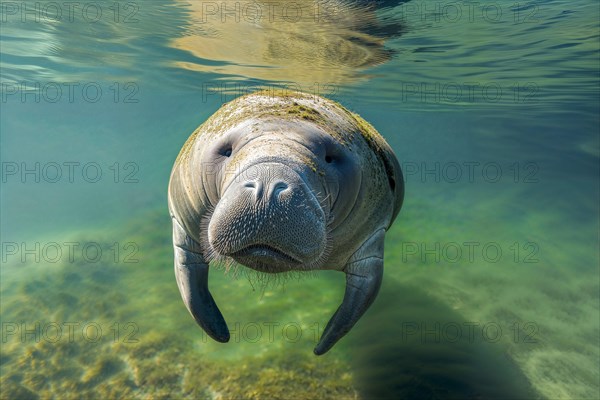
(191, 272)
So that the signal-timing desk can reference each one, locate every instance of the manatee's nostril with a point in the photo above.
(256, 187)
(278, 188)
(272, 190)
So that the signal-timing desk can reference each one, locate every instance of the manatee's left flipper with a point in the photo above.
(364, 272)
(191, 272)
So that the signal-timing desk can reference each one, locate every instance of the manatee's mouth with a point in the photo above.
(263, 257)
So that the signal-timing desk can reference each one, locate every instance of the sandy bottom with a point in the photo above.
(439, 329)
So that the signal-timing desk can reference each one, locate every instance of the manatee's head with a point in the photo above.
(277, 185)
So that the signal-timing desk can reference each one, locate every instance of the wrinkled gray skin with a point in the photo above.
(284, 182)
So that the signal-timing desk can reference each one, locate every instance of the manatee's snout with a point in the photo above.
(268, 219)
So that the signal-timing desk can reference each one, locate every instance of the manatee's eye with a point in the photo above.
(328, 159)
(227, 152)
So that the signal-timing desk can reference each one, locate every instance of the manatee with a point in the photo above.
(279, 182)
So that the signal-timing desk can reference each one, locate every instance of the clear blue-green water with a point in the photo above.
(492, 279)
